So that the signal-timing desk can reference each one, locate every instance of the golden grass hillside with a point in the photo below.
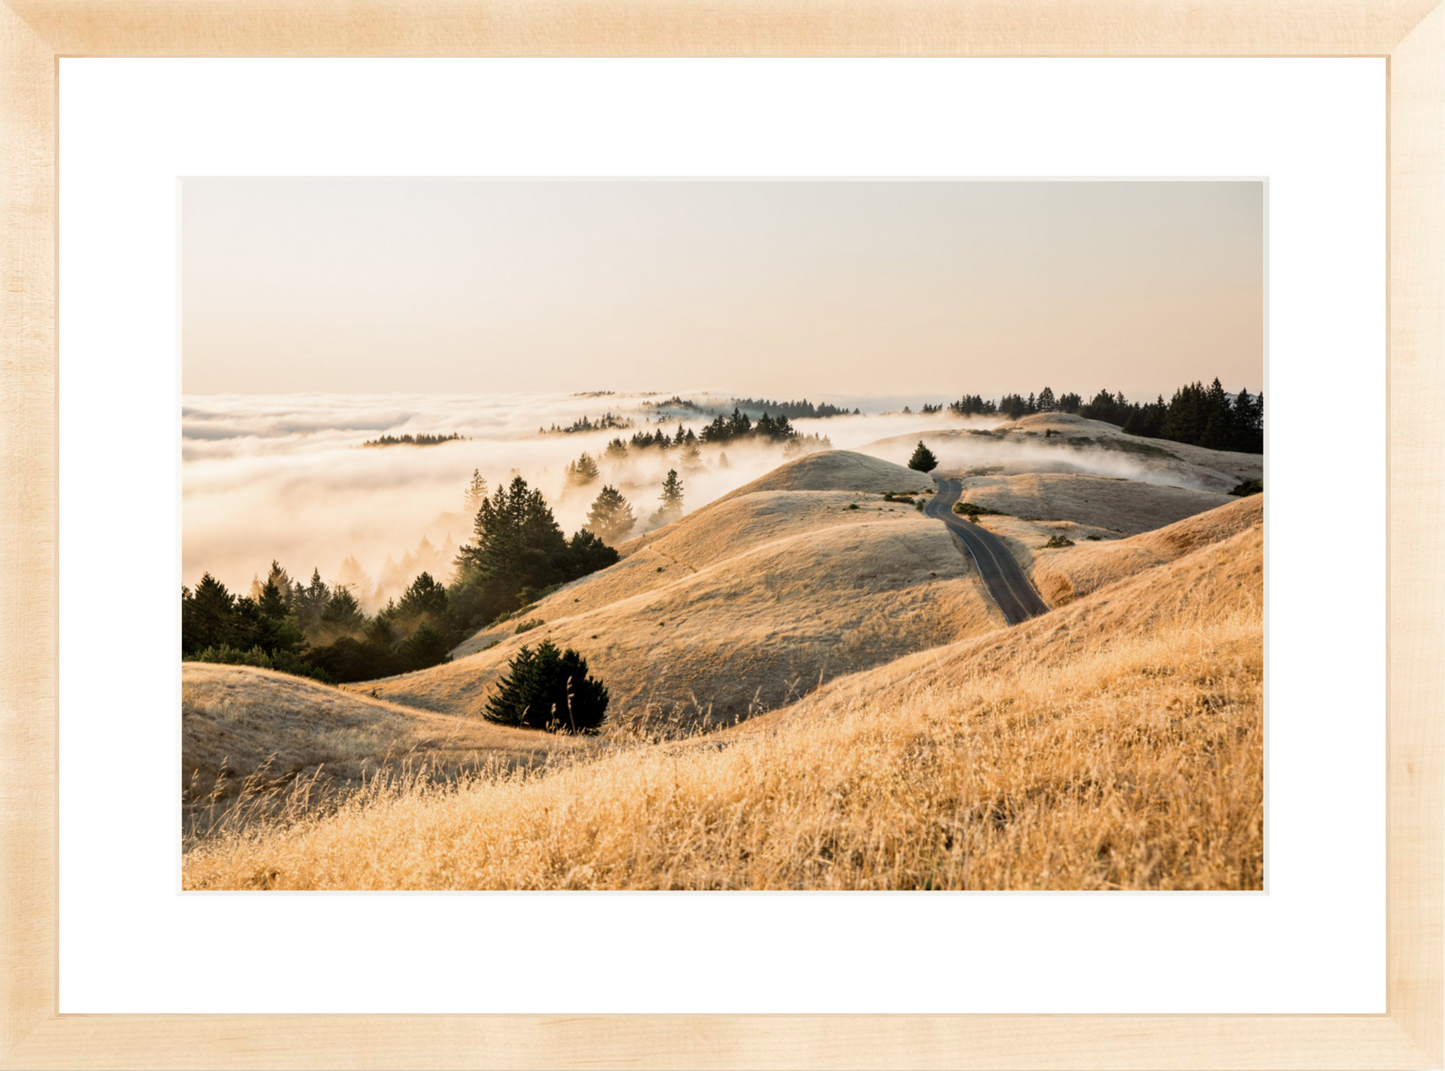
(1114, 743)
(729, 625)
(238, 722)
(1221, 567)
(766, 509)
(1065, 574)
(838, 470)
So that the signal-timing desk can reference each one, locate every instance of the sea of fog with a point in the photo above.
(286, 477)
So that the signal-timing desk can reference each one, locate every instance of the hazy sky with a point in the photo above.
(820, 288)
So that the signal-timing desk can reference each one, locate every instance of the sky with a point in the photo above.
(837, 290)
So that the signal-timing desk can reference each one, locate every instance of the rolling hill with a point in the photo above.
(744, 604)
(1115, 742)
(238, 722)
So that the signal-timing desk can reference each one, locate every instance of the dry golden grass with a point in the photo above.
(713, 643)
(744, 605)
(838, 470)
(1115, 743)
(239, 723)
(1064, 575)
(727, 528)
(1100, 504)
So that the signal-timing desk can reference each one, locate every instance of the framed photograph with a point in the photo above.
(806, 536)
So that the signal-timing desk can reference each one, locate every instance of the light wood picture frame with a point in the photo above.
(1410, 34)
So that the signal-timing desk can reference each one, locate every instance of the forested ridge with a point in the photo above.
(517, 553)
(1196, 414)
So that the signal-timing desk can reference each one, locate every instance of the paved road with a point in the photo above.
(1001, 574)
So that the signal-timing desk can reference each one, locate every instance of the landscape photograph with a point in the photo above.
(725, 534)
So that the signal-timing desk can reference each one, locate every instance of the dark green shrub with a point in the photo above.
(1245, 488)
(548, 689)
(973, 511)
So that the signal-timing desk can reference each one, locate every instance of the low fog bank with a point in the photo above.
(286, 477)
(977, 454)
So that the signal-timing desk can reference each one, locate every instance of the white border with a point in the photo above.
(129, 942)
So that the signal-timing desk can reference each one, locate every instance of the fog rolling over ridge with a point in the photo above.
(287, 477)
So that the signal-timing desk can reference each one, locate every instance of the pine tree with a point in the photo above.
(582, 471)
(342, 615)
(672, 492)
(207, 616)
(517, 546)
(611, 518)
(424, 598)
(272, 602)
(275, 575)
(476, 492)
(548, 689)
(671, 498)
(1046, 403)
(722, 460)
(922, 459)
(308, 602)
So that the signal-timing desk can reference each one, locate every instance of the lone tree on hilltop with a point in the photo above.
(548, 689)
(611, 517)
(922, 459)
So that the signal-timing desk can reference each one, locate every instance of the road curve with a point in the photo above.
(1001, 574)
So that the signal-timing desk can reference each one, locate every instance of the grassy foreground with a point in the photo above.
(1126, 756)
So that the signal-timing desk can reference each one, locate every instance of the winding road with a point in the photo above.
(1001, 574)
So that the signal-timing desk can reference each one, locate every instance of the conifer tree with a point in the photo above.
(516, 541)
(611, 518)
(342, 615)
(671, 498)
(424, 598)
(476, 492)
(548, 689)
(672, 492)
(922, 459)
(582, 471)
(207, 616)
